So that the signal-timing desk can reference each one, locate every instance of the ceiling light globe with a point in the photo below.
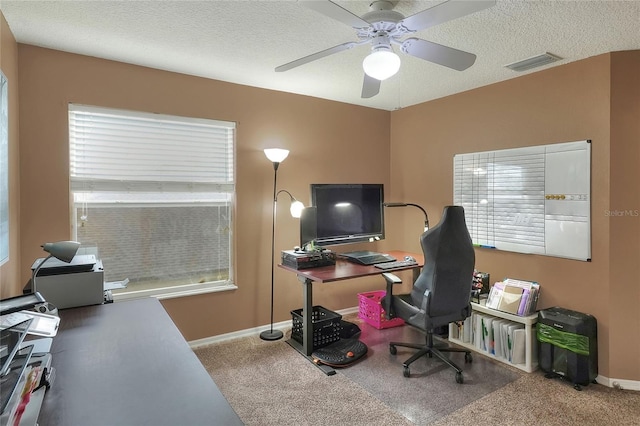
(381, 64)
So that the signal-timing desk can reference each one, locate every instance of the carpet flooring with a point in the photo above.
(269, 383)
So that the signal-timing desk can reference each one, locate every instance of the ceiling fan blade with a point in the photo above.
(442, 55)
(443, 12)
(370, 87)
(315, 56)
(336, 12)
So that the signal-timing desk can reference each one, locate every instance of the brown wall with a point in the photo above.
(10, 271)
(329, 141)
(624, 230)
(593, 99)
(410, 151)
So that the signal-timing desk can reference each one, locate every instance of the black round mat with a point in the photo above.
(340, 353)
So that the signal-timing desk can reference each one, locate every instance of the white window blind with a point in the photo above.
(155, 194)
(133, 151)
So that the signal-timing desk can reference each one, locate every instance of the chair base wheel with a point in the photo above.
(393, 350)
(459, 378)
(468, 358)
(405, 371)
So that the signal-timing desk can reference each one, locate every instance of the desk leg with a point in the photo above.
(307, 327)
(307, 318)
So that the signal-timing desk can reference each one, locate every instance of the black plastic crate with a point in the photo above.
(326, 326)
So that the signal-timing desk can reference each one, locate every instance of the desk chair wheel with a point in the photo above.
(405, 371)
(393, 350)
(468, 359)
(459, 378)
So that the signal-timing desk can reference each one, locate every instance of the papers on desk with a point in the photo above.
(114, 285)
(42, 324)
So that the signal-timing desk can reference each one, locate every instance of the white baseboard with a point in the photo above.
(282, 326)
(619, 383)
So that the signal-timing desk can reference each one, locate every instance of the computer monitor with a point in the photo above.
(346, 213)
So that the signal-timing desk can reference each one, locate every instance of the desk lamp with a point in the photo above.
(426, 218)
(62, 250)
(277, 156)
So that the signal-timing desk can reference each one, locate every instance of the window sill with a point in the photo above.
(164, 293)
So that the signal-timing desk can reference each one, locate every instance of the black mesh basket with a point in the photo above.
(326, 326)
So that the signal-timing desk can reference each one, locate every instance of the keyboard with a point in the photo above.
(367, 257)
(396, 264)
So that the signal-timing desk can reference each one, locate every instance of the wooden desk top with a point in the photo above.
(345, 270)
(126, 363)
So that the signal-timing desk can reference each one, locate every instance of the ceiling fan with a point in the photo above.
(381, 27)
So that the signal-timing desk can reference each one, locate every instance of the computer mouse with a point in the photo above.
(409, 259)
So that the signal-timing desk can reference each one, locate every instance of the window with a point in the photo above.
(4, 170)
(154, 195)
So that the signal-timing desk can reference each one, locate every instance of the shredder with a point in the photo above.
(568, 345)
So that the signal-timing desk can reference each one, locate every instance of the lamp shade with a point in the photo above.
(63, 250)
(296, 208)
(382, 63)
(276, 155)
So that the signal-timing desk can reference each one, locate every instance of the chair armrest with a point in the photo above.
(391, 279)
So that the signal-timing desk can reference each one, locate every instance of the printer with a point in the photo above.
(68, 285)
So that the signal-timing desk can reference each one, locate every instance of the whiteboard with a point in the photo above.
(533, 200)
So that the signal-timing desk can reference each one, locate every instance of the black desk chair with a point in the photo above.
(441, 293)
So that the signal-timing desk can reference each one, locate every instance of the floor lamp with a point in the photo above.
(426, 218)
(277, 156)
(63, 250)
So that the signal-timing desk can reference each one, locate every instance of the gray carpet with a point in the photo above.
(269, 383)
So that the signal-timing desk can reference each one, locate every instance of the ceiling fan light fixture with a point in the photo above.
(381, 63)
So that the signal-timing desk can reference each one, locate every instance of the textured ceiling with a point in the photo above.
(243, 41)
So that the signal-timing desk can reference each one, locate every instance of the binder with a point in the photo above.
(478, 339)
(511, 338)
(467, 330)
(488, 335)
(504, 333)
(497, 337)
(518, 349)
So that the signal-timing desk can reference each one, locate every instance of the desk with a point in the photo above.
(342, 270)
(126, 363)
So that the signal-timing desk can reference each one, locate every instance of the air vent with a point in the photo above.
(533, 62)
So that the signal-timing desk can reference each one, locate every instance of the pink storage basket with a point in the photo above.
(372, 313)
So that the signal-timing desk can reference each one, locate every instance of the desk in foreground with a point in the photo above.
(126, 363)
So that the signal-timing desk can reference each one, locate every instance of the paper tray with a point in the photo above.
(42, 324)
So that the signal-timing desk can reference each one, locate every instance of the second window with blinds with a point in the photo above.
(153, 195)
